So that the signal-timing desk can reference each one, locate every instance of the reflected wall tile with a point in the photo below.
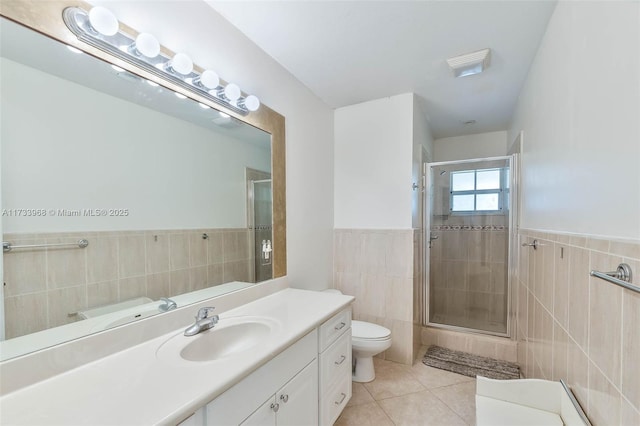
(215, 247)
(159, 285)
(157, 252)
(605, 319)
(131, 256)
(198, 278)
(197, 249)
(498, 248)
(237, 271)
(27, 314)
(180, 282)
(64, 303)
(456, 274)
(631, 346)
(178, 251)
(24, 271)
(100, 294)
(102, 260)
(215, 274)
(130, 288)
(66, 267)
(235, 246)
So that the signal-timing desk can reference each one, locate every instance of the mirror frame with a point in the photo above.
(45, 17)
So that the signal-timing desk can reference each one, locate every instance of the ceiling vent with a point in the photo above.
(470, 63)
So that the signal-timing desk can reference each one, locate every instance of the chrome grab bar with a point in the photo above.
(7, 246)
(621, 276)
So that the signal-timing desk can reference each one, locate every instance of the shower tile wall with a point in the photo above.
(376, 267)
(579, 328)
(42, 286)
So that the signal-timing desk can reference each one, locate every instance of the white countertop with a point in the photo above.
(134, 387)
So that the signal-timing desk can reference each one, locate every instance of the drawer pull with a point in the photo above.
(342, 358)
(340, 327)
(284, 398)
(344, 395)
(275, 407)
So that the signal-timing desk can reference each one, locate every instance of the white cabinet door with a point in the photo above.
(298, 399)
(263, 416)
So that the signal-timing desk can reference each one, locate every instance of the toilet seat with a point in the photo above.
(361, 330)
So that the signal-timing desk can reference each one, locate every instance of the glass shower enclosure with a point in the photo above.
(467, 240)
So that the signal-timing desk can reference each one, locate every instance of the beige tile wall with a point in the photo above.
(579, 328)
(376, 266)
(43, 286)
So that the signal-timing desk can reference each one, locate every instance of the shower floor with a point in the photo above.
(469, 322)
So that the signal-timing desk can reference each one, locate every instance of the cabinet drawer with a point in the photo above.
(335, 362)
(333, 328)
(333, 401)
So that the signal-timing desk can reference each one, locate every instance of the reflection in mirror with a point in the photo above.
(173, 197)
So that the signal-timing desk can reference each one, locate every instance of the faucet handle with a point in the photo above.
(204, 312)
(168, 304)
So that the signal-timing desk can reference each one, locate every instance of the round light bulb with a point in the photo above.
(103, 21)
(232, 92)
(182, 64)
(252, 103)
(209, 79)
(147, 45)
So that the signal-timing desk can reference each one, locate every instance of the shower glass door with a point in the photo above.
(467, 240)
(261, 218)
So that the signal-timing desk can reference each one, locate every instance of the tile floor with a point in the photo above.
(411, 395)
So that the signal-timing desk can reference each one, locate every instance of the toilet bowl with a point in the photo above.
(367, 341)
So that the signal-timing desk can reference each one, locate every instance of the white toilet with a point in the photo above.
(367, 340)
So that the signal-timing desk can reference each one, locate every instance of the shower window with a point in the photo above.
(480, 190)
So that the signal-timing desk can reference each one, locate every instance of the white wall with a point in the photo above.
(113, 154)
(195, 28)
(373, 164)
(478, 145)
(580, 112)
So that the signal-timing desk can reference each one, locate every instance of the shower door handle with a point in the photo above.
(432, 238)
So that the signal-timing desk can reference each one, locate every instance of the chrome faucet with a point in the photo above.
(168, 305)
(203, 322)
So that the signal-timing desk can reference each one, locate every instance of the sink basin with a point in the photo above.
(230, 337)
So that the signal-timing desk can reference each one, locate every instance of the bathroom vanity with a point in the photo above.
(285, 359)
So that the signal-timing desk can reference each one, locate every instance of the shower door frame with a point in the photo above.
(511, 250)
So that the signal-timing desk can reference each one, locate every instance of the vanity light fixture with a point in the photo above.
(470, 63)
(146, 45)
(101, 29)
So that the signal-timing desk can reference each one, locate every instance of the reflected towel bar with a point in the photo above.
(621, 276)
(7, 246)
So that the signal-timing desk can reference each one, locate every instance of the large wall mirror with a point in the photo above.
(123, 196)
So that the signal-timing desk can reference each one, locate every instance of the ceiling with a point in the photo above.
(349, 52)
